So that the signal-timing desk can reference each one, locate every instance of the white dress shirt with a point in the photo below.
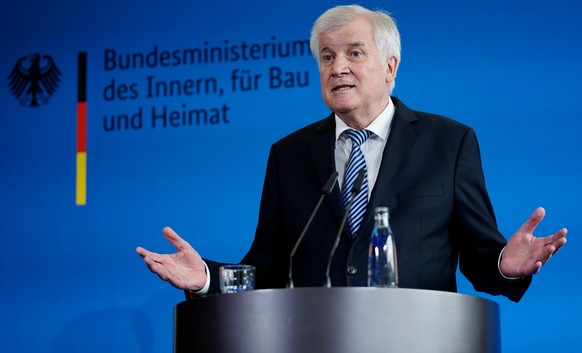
(372, 148)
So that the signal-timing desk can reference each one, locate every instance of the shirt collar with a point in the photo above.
(379, 126)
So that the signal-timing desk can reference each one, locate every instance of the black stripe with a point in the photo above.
(82, 77)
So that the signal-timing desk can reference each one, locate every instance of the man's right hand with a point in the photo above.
(184, 269)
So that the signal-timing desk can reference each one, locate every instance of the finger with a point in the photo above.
(162, 259)
(143, 252)
(559, 243)
(174, 238)
(546, 254)
(561, 234)
(532, 222)
(166, 272)
(537, 267)
(158, 268)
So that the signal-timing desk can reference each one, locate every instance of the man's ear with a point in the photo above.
(391, 69)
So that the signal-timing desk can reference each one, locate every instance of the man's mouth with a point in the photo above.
(342, 88)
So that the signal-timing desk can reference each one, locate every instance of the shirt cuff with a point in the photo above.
(499, 267)
(206, 287)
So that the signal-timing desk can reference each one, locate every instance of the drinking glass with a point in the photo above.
(237, 278)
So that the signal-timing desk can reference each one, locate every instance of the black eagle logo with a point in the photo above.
(34, 79)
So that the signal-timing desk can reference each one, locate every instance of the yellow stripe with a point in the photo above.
(81, 178)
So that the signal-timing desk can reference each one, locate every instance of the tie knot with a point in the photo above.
(358, 136)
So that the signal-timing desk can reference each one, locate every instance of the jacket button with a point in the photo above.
(352, 270)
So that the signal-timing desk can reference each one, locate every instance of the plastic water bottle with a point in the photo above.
(382, 262)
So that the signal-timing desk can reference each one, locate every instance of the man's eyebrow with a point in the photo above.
(322, 49)
(356, 44)
(349, 45)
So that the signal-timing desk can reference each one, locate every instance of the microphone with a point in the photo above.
(325, 191)
(355, 190)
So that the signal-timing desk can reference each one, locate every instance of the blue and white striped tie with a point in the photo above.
(355, 163)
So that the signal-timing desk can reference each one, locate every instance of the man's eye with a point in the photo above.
(356, 54)
(327, 58)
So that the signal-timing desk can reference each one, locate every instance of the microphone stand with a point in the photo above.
(325, 191)
(355, 190)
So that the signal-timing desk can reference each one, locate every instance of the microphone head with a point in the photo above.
(359, 181)
(328, 187)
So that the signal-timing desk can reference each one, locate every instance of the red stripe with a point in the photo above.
(82, 127)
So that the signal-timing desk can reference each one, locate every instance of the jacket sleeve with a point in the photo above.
(475, 228)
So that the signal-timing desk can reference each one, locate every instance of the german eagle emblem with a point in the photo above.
(34, 79)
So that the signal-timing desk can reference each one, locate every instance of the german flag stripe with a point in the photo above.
(81, 189)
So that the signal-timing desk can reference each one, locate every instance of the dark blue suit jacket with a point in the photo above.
(440, 213)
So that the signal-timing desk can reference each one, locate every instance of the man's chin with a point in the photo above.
(342, 109)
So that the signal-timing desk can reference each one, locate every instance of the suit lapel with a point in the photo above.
(403, 133)
(323, 152)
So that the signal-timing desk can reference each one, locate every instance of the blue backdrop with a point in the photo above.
(71, 280)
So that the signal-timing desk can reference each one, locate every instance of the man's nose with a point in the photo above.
(340, 66)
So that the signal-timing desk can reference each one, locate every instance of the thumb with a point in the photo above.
(532, 222)
(174, 238)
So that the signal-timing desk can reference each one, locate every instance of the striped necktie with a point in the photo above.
(355, 163)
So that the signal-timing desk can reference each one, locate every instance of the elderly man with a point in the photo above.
(426, 168)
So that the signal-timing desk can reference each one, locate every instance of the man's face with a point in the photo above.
(354, 83)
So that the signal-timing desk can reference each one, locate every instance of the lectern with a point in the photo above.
(337, 320)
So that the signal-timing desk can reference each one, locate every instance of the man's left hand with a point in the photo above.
(524, 254)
